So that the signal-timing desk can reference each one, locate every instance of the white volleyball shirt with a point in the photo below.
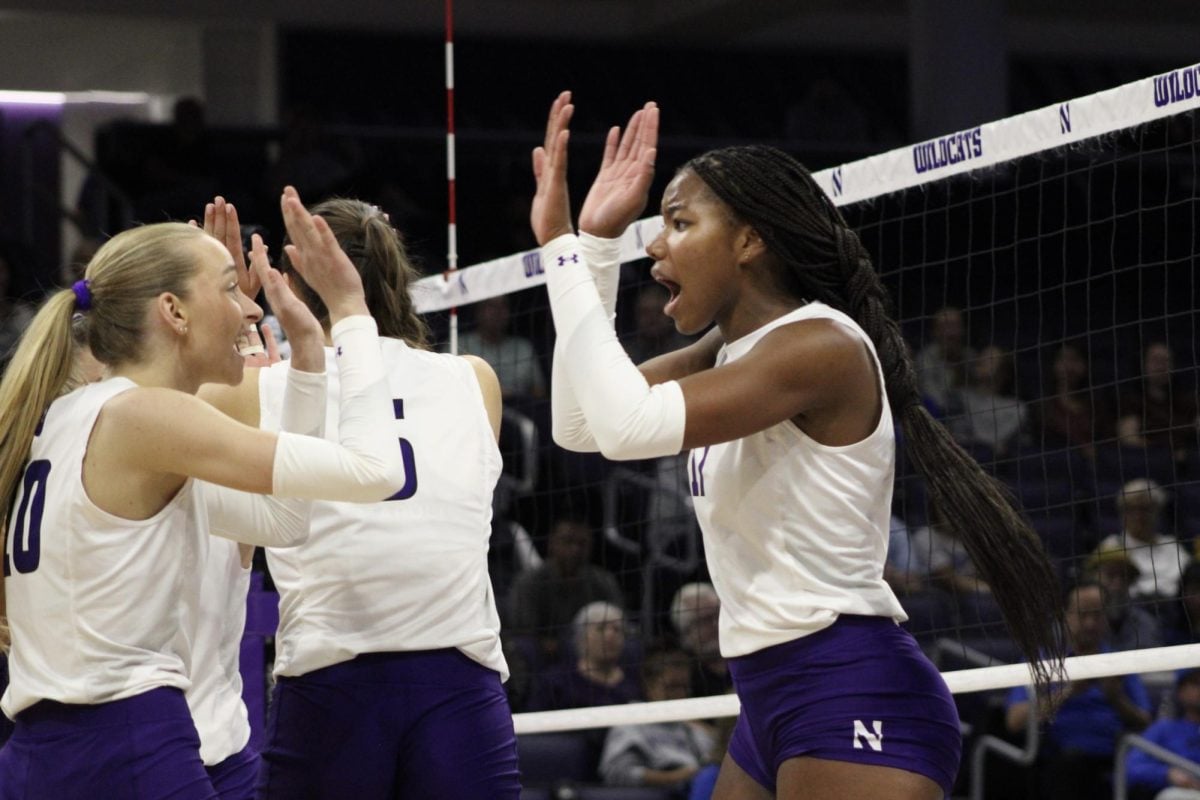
(215, 696)
(101, 608)
(795, 532)
(403, 574)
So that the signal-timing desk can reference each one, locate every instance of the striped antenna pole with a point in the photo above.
(452, 219)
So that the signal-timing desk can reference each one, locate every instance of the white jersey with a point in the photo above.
(409, 573)
(215, 697)
(795, 531)
(101, 608)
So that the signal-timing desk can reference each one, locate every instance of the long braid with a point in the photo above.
(821, 258)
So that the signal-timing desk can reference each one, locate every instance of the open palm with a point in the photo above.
(622, 186)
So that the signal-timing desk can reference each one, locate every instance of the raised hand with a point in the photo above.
(270, 354)
(550, 214)
(316, 255)
(221, 222)
(622, 186)
(302, 328)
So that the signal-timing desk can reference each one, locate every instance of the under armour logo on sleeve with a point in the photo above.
(573, 258)
(338, 351)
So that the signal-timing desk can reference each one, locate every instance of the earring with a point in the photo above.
(183, 330)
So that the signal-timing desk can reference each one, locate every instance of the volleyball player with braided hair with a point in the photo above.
(787, 406)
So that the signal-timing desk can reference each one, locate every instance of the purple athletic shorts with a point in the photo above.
(429, 723)
(141, 748)
(234, 777)
(860, 690)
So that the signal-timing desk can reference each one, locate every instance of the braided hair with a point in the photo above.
(816, 256)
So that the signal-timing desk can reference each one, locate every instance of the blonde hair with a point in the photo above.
(124, 276)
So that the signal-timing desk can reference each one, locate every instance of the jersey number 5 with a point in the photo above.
(410, 461)
(23, 551)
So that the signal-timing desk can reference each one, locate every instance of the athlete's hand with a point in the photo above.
(302, 328)
(550, 214)
(622, 186)
(221, 222)
(316, 255)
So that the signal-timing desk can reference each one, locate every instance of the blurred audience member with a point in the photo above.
(938, 552)
(512, 357)
(1185, 621)
(695, 612)
(1160, 559)
(1130, 626)
(1071, 414)
(1181, 736)
(1076, 755)
(992, 414)
(941, 364)
(1157, 410)
(593, 674)
(545, 599)
(15, 313)
(663, 754)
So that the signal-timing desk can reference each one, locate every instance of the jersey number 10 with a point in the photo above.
(23, 550)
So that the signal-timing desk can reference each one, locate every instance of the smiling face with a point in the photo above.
(218, 315)
(696, 255)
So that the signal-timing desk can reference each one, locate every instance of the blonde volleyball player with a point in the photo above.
(387, 658)
(115, 487)
(787, 408)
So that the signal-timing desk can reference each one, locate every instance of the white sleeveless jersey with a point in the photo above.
(101, 608)
(215, 696)
(795, 532)
(409, 573)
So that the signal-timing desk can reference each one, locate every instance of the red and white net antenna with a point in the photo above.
(452, 219)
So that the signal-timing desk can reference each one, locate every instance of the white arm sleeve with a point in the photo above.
(365, 466)
(266, 520)
(628, 418)
(569, 428)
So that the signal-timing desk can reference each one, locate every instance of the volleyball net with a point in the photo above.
(1043, 269)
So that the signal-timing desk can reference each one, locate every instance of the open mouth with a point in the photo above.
(249, 343)
(675, 291)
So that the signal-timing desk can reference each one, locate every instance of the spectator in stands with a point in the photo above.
(592, 674)
(1157, 411)
(938, 552)
(1160, 559)
(1130, 625)
(1077, 752)
(941, 364)
(15, 313)
(1182, 737)
(695, 610)
(992, 414)
(662, 754)
(655, 334)
(512, 357)
(177, 174)
(1072, 414)
(1185, 622)
(545, 599)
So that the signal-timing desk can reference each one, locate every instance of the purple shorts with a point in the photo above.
(141, 748)
(860, 690)
(234, 777)
(430, 723)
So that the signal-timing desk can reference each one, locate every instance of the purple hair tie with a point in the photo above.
(83, 294)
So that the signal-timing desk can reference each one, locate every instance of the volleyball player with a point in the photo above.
(388, 658)
(116, 486)
(787, 407)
